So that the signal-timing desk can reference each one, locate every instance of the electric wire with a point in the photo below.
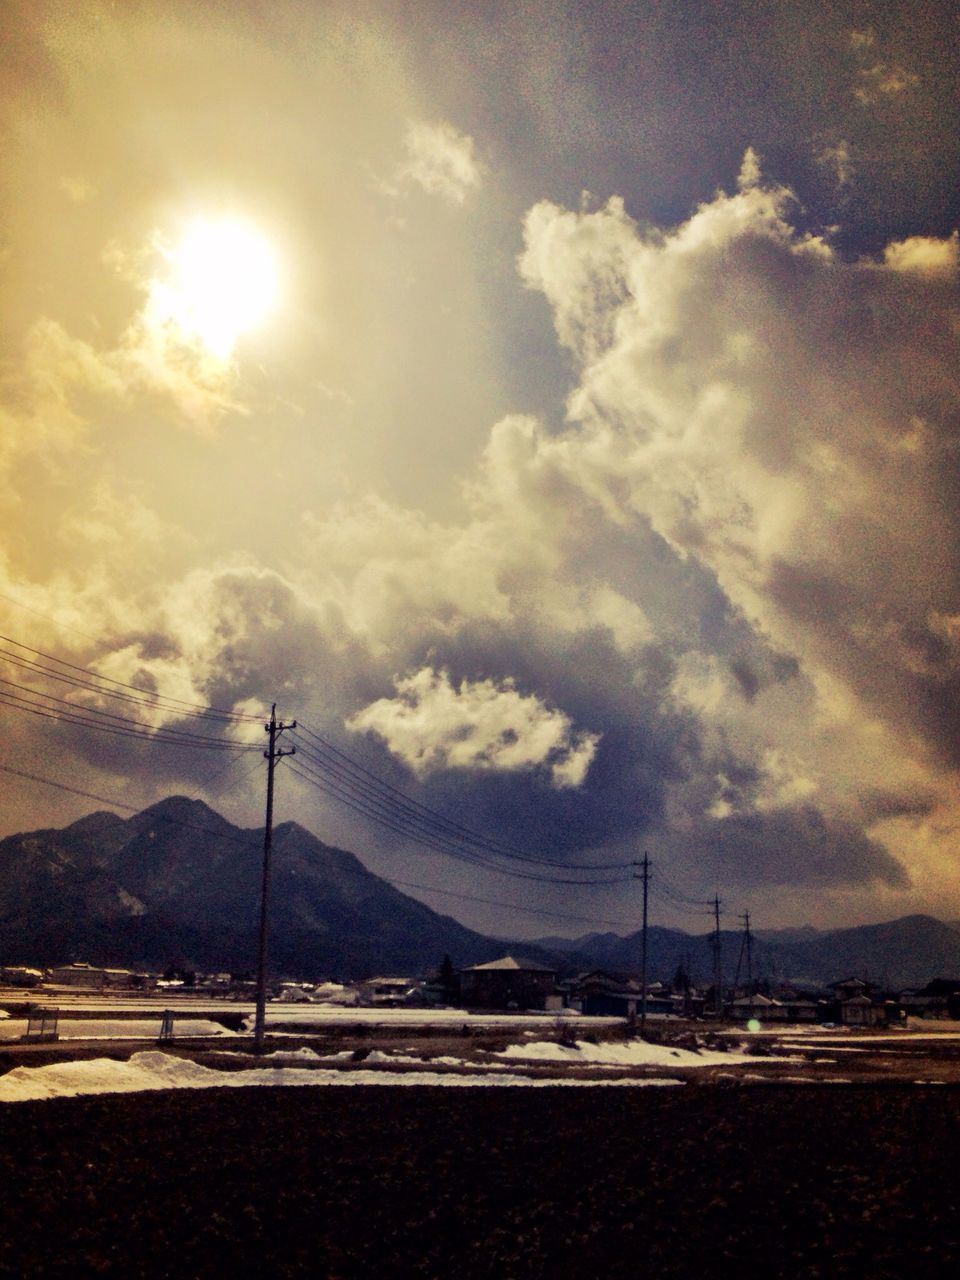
(163, 737)
(111, 683)
(121, 804)
(510, 906)
(36, 668)
(329, 758)
(403, 827)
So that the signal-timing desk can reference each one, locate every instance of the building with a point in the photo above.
(386, 991)
(509, 983)
(79, 974)
(619, 995)
(18, 975)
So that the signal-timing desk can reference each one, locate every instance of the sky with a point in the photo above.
(555, 407)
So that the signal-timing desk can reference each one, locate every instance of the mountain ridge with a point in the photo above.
(178, 883)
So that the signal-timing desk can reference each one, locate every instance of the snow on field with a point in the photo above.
(156, 1070)
(633, 1053)
(119, 1028)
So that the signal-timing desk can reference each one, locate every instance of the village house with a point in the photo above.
(509, 983)
(757, 1008)
(619, 995)
(386, 991)
(18, 975)
(938, 999)
(79, 974)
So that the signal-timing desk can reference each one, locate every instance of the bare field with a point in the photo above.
(694, 1181)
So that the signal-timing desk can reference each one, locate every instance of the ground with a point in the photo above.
(703, 1180)
(814, 1154)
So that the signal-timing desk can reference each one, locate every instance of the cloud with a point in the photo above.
(756, 399)
(837, 159)
(882, 80)
(926, 255)
(478, 725)
(441, 160)
(877, 79)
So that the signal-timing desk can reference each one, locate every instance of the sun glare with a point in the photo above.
(221, 282)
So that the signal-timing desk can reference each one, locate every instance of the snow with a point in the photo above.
(119, 1028)
(631, 1053)
(156, 1070)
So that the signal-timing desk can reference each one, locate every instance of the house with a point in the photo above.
(509, 983)
(18, 975)
(122, 978)
(618, 995)
(938, 999)
(860, 1011)
(855, 1004)
(757, 1008)
(387, 991)
(79, 974)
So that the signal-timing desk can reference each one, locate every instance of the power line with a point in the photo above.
(120, 804)
(400, 825)
(510, 906)
(37, 668)
(353, 775)
(164, 737)
(99, 680)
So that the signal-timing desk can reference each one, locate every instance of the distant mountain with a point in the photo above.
(899, 953)
(178, 883)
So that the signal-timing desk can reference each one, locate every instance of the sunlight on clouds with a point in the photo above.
(432, 725)
(441, 160)
(925, 255)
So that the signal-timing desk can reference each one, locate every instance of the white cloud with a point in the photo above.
(926, 255)
(432, 725)
(758, 401)
(441, 160)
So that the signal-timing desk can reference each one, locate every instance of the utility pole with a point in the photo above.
(746, 948)
(717, 967)
(271, 755)
(645, 877)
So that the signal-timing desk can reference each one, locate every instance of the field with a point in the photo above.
(703, 1181)
(805, 1153)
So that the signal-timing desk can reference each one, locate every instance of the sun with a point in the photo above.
(220, 281)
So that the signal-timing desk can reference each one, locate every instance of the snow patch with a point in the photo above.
(155, 1070)
(632, 1053)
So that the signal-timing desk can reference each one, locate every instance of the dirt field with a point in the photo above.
(702, 1180)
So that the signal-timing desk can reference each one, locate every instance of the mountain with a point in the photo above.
(178, 883)
(898, 953)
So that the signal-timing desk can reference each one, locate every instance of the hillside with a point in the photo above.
(178, 883)
(897, 953)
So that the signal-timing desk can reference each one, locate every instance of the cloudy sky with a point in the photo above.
(555, 407)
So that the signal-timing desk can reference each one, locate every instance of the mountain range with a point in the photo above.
(178, 884)
(907, 952)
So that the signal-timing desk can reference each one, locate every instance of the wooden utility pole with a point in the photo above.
(645, 877)
(717, 964)
(746, 948)
(271, 755)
